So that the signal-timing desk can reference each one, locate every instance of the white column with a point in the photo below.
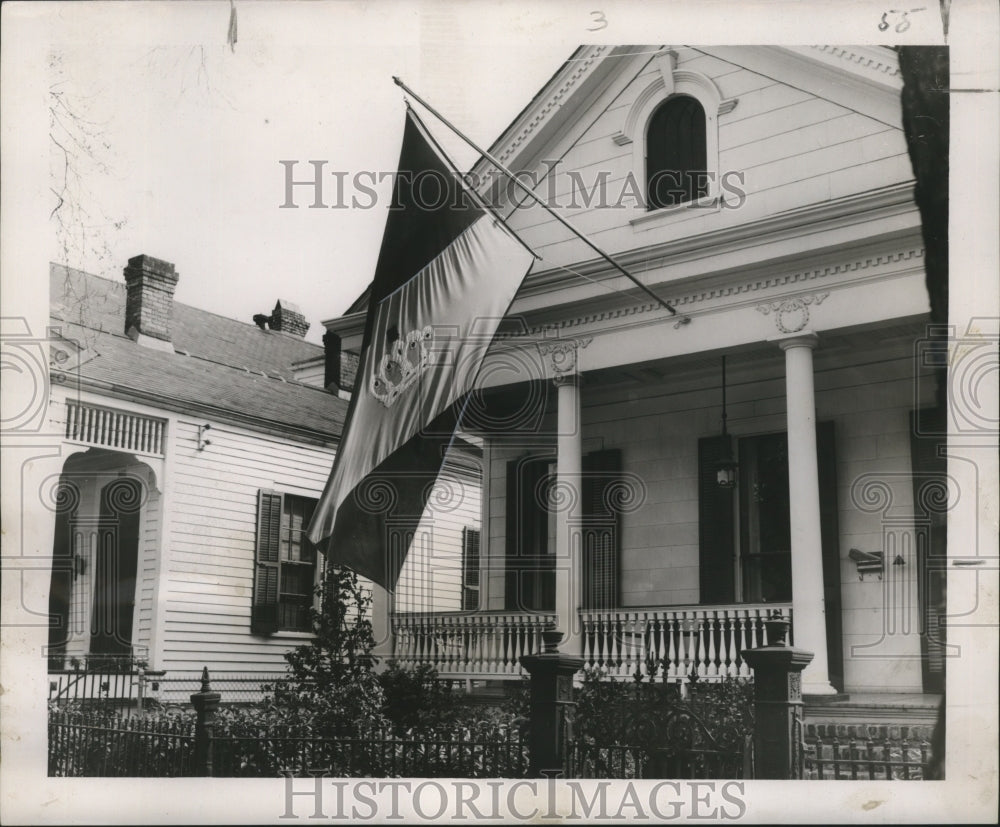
(569, 465)
(808, 609)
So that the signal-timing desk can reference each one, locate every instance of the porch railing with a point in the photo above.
(484, 644)
(705, 641)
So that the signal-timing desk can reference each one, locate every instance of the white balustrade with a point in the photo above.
(481, 645)
(705, 641)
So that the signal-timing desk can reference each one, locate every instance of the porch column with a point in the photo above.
(560, 360)
(808, 610)
(569, 465)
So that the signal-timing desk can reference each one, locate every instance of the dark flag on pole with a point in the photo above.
(447, 272)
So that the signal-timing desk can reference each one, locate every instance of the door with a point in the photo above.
(115, 569)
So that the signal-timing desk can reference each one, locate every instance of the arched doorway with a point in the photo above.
(115, 561)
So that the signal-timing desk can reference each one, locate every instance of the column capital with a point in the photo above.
(804, 338)
(560, 356)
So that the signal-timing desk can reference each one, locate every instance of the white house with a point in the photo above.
(191, 451)
(191, 454)
(766, 194)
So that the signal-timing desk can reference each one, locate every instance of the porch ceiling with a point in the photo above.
(846, 343)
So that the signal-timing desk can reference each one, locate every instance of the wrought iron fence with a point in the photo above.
(113, 746)
(486, 751)
(85, 743)
(860, 752)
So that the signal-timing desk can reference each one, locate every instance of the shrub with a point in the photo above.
(332, 682)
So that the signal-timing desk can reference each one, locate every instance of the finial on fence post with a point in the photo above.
(205, 703)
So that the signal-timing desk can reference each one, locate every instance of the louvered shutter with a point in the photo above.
(826, 456)
(513, 540)
(601, 530)
(264, 613)
(470, 569)
(927, 429)
(716, 524)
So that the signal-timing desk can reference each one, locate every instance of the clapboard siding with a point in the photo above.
(431, 577)
(146, 571)
(778, 136)
(212, 536)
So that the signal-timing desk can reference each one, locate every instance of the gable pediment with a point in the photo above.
(863, 79)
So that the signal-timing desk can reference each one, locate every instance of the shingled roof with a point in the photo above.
(219, 365)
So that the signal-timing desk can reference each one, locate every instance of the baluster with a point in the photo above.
(475, 644)
(672, 647)
(742, 643)
(642, 650)
(614, 643)
(690, 642)
(713, 666)
(495, 641)
(701, 667)
(732, 669)
(508, 665)
(660, 626)
(601, 640)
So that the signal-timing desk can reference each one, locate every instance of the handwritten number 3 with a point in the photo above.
(600, 20)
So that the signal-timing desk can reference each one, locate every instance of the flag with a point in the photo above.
(447, 272)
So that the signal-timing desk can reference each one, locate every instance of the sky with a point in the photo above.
(173, 138)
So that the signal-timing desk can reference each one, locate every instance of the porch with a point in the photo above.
(682, 641)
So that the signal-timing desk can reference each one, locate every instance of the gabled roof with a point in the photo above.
(220, 366)
(835, 72)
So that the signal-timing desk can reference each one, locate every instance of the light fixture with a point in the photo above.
(725, 473)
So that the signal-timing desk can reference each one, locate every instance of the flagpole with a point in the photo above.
(533, 196)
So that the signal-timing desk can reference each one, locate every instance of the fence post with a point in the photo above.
(777, 675)
(205, 703)
(551, 706)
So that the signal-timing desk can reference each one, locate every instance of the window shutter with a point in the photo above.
(264, 613)
(513, 540)
(470, 569)
(826, 457)
(601, 530)
(530, 573)
(927, 429)
(715, 526)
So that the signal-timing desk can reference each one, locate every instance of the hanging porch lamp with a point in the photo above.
(725, 474)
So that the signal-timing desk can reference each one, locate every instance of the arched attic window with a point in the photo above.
(676, 153)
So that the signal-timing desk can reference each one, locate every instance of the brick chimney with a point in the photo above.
(149, 288)
(287, 318)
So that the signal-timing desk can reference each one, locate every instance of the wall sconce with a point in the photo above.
(202, 442)
(868, 562)
(725, 473)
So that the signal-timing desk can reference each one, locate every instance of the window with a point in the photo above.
(676, 153)
(745, 540)
(531, 533)
(765, 527)
(285, 565)
(470, 569)
(530, 582)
